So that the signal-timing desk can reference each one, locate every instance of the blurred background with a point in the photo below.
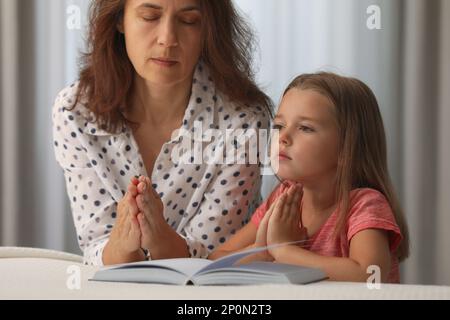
(400, 48)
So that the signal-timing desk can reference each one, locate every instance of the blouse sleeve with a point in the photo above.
(92, 207)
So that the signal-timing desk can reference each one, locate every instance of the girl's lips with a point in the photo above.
(164, 63)
(282, 156)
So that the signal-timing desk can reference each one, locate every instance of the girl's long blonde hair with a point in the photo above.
(362, 160)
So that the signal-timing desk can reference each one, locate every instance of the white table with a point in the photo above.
(44, 274)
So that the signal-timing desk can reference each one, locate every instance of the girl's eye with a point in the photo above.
(306, 129)
(276, 126)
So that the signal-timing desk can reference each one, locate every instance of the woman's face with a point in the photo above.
(163, 38)
(308, 137)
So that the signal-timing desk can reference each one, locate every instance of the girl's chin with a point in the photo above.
(285, 170)
(285, 175)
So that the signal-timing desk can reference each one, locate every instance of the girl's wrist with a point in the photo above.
(266, 256)
(263, 255)
(279, 252)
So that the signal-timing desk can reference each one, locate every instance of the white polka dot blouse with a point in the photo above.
(205, 201)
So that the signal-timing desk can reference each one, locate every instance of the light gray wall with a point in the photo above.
(301, 36)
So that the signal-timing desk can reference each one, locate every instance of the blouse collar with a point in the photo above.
(199, 112)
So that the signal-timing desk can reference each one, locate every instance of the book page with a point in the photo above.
(186, 266)
(230, 260)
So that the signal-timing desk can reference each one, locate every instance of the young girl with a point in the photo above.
(336, 193)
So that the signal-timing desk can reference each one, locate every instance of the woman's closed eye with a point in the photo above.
(189, 19)
(151, 18)
(186, 21)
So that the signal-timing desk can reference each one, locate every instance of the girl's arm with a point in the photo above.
(247, 238)
(243, 239)
(367, 248)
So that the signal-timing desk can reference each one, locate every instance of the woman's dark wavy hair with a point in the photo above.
(106, 76)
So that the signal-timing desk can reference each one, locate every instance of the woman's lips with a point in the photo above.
(164, 62)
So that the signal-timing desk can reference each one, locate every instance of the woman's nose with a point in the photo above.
(167, 36)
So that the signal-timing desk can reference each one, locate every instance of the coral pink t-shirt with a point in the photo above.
(369, 209)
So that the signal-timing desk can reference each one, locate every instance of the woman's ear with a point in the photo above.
(119, 25)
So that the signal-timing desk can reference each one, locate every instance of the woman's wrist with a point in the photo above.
(156, 222)
(114, 254)
(146, 254)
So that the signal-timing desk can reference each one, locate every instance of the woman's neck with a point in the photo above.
(159, 104)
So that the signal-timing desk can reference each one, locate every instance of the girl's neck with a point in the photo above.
(319, 198)
(159, 104)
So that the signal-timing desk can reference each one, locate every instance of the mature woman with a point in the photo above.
(156, 70)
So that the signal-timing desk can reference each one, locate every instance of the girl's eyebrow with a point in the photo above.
(157, 7)
(296, 118)
(306, 118)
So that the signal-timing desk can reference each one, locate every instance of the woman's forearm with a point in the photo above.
(111, 255)
(166, 243)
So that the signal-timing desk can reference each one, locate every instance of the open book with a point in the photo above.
(224, 271)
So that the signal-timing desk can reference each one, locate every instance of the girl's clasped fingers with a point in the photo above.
(279, 205)
(288, 202)
(261, 233)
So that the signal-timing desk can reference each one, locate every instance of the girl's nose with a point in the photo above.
(284, 138)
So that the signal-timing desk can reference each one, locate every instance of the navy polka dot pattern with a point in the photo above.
(204, 202)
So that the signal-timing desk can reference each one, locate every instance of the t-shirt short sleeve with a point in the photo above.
(371, 210)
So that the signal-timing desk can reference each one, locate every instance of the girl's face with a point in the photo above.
(163, 38)
(308, 137)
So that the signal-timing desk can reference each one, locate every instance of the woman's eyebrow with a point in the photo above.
(190, 8)
(149, 5)
(157, 7)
